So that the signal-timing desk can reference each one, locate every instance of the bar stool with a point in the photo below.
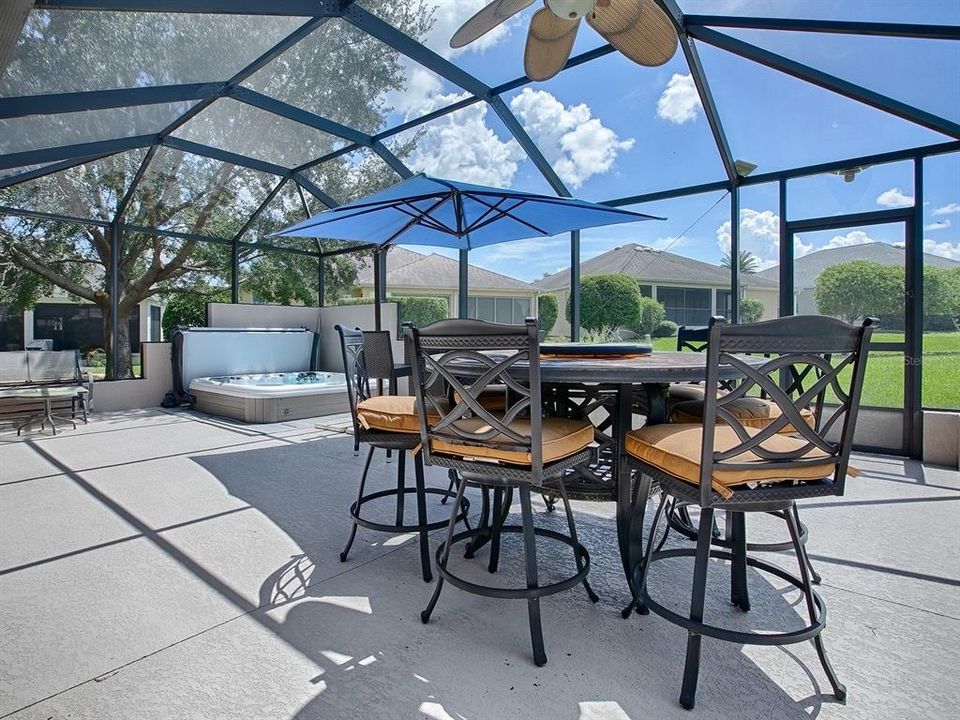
(387, 422)
(504, 450)
(725, 464)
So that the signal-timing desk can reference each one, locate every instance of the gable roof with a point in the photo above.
(407, 268)
(808, 268)
(648, 265)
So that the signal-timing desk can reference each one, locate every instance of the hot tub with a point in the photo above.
(271, 397)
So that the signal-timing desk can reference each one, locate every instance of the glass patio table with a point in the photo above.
(609, 384)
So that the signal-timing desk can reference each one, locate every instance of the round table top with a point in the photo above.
(660, 367)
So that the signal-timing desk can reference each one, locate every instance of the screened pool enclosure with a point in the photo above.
(153, 147)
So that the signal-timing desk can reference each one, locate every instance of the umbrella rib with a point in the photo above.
(413, 221)
(509, 214)
(487, 212)
(425, 219)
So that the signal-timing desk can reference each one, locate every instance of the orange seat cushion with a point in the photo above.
(391, 413)
(675, 449)
(491, 399)
(562, 437)
(752, 412)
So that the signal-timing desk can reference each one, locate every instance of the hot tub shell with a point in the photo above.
(269, 403)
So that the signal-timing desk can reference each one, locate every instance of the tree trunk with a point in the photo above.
(124, 368)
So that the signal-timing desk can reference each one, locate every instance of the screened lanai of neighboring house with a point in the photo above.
(798, 157)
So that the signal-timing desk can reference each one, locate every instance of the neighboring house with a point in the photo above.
(74, 324)
(808, 268)
(493, 296)
(691, 291)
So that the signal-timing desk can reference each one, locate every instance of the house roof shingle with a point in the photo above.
(407, 268)
(808, 268)
(655, 266)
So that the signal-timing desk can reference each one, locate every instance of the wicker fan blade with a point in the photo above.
(637, 28)
(549, 42)
(497, 12)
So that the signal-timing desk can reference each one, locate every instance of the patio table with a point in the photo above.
(46, 395)
(610, 382)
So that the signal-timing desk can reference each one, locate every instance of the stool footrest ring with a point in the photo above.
(383, 527)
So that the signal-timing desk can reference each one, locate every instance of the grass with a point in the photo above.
(883, 384)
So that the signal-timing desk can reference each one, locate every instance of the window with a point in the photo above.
(73, 326)
(723, 303)
(506, 310)
(11, 329)
(685, 306)
(154, 323)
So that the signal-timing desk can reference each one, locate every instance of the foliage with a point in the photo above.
(608, 301)
(652, 313)
(421, 311)
(749, 263)
(189, 310)
(182, 192)
(548, 309)
(858, 288)
(665, 328)
(751, 310)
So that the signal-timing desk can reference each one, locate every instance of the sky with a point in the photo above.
(612, 129)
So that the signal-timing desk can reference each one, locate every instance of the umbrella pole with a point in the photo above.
(377, 288)
(464, 289)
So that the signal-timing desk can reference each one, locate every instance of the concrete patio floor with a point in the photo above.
(167, 565)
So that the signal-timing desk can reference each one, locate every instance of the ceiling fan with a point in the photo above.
(637, 28)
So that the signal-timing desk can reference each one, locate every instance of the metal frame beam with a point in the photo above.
(58, 217)
(226, 156)
(141, 171)
(49, 169)
(306, 8)
(845, 27)
(311, 187)
(826, 81)
(56, 103)
(77, 150)
(291, 112)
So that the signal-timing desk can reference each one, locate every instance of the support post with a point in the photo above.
(574, 286)
(114, 295)
(734, 253)
(463, 309)
(235, 272)
(913, 337)
(378, 284)
(321, 280)
(786, 256)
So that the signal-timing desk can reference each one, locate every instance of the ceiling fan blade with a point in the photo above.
(637, 28)
(549, 42)
(497, 12)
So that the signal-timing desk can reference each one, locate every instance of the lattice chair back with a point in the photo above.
(692, 338)
(837, 353)
(354, 367)
(378, 354)
(454, 362)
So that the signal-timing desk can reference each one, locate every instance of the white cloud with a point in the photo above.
(449, 15)
(943, 249)
(894, 197)
(949, 209)
(680, 101)
(854, 237)
(575, 143)
(462, 147)
(760, 234)
(939, 225)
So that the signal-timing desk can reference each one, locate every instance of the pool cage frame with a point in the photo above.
(690, 28)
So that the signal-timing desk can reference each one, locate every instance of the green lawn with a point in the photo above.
(883, 384)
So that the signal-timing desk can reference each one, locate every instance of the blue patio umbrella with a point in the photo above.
(424, 210)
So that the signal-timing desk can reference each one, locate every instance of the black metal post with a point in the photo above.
(463, 290)
(378, 283)
(913, 337)
(734, 253)
(114, 295)
(574, 286)
(235, 272)
(321, 281)
(786, 256)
